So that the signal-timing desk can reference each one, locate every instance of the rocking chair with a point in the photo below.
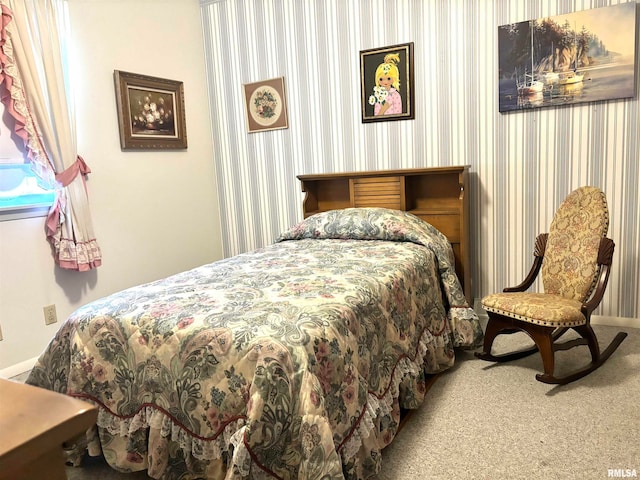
(575, 260)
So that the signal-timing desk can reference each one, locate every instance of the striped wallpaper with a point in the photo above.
(522, 163)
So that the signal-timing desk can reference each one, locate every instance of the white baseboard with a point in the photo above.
(595, 319)
(18, 368)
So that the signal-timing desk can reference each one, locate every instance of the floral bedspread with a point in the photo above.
(291, 361)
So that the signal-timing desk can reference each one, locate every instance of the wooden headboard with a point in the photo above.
(437, 195)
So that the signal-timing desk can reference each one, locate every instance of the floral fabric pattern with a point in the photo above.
(291, 361)
(541, 308)
(569, 268)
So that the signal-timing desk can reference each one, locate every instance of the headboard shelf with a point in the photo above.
(437, 195)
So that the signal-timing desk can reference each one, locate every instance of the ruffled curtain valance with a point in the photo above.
(35, 95)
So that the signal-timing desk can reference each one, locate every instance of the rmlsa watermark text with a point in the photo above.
(622, 473)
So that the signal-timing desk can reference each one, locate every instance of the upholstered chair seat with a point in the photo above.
(574, 260)
(539, 308)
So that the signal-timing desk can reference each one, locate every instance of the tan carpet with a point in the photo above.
(490, 421)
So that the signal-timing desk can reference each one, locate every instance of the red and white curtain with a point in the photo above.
(34, 91)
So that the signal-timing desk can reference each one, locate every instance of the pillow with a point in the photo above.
(370, 223)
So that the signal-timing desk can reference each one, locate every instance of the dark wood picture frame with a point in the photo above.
(266, 105)
(150, 112)
(393, 65)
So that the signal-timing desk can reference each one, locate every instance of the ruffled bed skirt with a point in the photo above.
(174, 453)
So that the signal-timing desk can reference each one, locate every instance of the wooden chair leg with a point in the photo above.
(597, 358)
(498, 325)
(586, 332)
(543, 338)
(493, 329)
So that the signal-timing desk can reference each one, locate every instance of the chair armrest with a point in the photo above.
(605, 258)
(538, 253)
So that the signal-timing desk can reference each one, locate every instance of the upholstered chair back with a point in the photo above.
(570, 265)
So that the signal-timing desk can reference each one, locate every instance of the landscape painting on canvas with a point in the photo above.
(584, 56)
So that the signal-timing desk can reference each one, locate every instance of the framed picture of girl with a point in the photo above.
(386, 83)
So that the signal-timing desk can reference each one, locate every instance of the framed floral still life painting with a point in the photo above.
(386, 83)
(266, 105)
(150, 112)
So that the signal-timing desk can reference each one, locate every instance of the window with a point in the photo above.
(22, 194)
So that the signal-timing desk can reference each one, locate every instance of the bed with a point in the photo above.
(290, 361)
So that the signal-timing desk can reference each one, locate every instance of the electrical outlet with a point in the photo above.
(50, 315)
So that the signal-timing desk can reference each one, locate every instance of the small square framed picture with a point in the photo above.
(266, 105)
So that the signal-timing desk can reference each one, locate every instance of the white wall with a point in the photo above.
(154, 213)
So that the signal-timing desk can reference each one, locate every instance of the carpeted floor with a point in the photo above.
(487, 421)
